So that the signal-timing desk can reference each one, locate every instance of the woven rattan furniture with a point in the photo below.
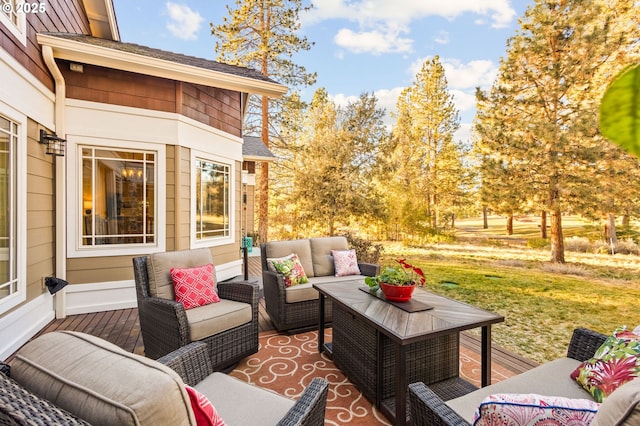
(432, 405)
(382, 347)
(296, 308)
(166, 326)
(70, 378)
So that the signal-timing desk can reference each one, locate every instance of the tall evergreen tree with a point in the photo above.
(262, 34)
(426, 162)
(548, 78)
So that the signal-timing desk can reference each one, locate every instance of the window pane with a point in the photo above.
(212, 200)
(8, 141)
(118, 197)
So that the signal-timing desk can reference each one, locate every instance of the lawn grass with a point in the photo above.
(541, 305)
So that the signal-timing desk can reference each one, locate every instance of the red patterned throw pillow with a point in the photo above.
(194, 286)
(204, 411)
(616, 362)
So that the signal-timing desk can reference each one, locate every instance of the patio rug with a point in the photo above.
(287, 363)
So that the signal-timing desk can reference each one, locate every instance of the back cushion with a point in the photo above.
(159, 269)
(321, 253)
(622, 407)
(100, 382)
(285, 248)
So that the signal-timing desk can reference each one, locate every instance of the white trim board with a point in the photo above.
(18, 327)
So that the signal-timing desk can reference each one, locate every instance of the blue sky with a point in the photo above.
(360, 45)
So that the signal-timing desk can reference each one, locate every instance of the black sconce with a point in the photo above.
(55, 145)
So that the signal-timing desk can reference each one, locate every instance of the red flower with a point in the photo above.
(415, 270)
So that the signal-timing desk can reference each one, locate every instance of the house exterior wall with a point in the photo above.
(112, 108)
(60, 16)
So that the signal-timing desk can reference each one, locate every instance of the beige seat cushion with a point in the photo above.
(205, 321)
(159, 266)
(304, 292)
(286, 247)
(621, 408)
(321, 253)
(550, 379)
(241, 404)
(100, 382)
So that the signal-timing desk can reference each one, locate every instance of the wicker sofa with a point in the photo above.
(297, 307)
(70, 378)
(229, 328)
(428, 406)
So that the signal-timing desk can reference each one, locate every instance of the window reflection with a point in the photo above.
(118, 197)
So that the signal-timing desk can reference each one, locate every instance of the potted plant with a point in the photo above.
(397, 282)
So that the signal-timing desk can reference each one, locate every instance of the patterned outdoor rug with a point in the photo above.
(287, 363)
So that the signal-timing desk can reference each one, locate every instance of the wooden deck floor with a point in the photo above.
(122, 328)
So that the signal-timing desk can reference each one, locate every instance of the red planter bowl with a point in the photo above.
(397, 293)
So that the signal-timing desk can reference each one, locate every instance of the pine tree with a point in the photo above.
(427, 164)
(548, 78)
(261, 34)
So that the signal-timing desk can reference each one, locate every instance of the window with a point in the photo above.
(13, 16)
(8, 208)
(118, 197)
(212, 199)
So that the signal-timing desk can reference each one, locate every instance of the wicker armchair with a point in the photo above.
(165, 327)
(427, 404)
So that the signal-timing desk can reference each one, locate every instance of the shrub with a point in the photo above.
(627, 246)
(565, 268)
(578, 244)
(537, 243)
(366, 251)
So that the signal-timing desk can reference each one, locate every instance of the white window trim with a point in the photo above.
(20, 30)
(213, 242)
(20, 295)
(74, 199)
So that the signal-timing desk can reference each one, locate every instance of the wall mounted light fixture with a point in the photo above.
(55, 145)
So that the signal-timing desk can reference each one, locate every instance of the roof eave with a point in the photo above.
(257, 158)
(96, 55)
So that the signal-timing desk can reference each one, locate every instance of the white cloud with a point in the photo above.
(477, 73)
(442, 37)
(375, 42)
(184, 23)
(402, 12)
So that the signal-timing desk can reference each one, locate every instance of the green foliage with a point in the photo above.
(366, 250)
(620, 110)
(538, 243)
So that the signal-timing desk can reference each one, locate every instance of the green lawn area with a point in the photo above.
(542, 303)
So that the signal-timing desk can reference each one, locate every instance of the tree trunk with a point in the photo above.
(485, 220)
(543, 224)
(610, 229)
(263, 206)
(626, 220)
(557, 238)
(510, 224)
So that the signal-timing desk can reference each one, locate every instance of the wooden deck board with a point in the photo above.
(122, 328)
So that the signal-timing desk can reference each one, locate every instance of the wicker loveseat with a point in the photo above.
(297, 307)
(622, 407)
(70, 378)
(229, 328)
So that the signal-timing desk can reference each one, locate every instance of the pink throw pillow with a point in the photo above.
(345, 262)
(194, 286)
(205, 412)
(533, 409)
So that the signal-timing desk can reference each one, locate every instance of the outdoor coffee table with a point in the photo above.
(382, 347)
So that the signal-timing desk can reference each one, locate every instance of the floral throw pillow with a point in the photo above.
(290, 268)
(616, 362)
(345, 262)
(194, 286)
(534, 409)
